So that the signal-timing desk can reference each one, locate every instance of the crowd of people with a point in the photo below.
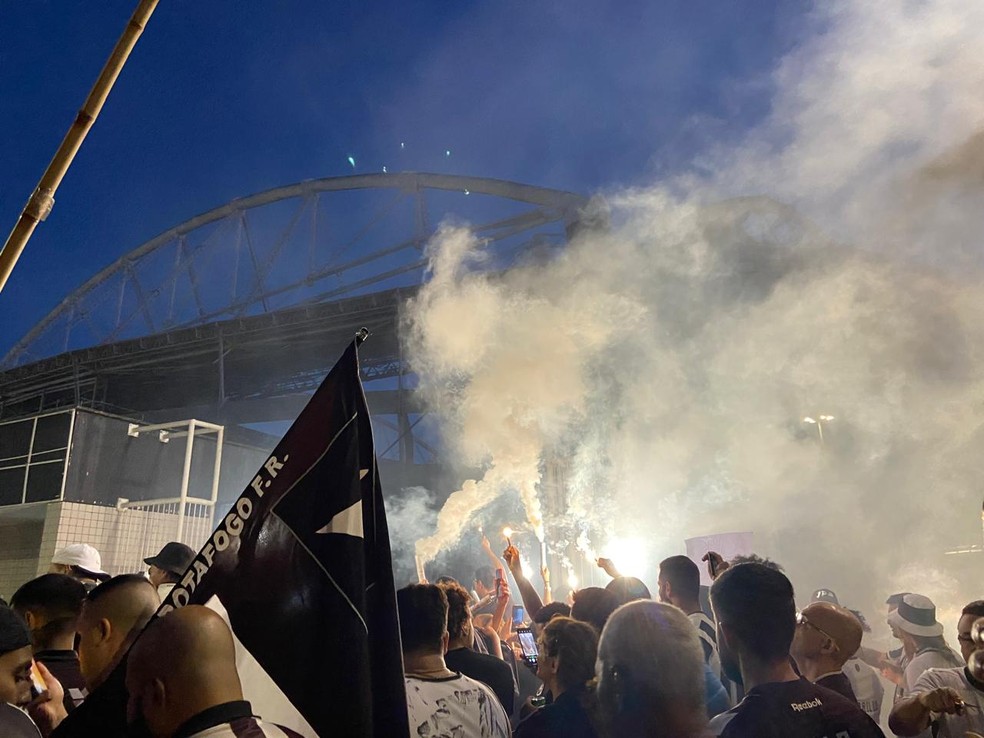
(737, 660)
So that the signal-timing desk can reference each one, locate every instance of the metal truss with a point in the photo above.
(307, 243)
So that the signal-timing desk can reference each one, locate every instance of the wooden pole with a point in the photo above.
(39, 205)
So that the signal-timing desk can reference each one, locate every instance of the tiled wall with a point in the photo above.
(123, 538)
(20, 543)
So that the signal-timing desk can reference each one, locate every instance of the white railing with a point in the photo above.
(146, 525)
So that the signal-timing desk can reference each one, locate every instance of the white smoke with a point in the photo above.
(673, 358)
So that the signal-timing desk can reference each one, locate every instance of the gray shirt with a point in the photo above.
(954, 726)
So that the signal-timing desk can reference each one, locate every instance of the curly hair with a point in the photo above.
(575, 645)
(459, 613)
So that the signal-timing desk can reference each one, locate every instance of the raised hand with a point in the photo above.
(715, 563)
(943, 699)
(511, 556)
(608, 566)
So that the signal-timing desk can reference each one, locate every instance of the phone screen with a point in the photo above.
(527, 642)
(38, 687)
(519, 615)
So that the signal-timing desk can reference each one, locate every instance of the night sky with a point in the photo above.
(224, 99)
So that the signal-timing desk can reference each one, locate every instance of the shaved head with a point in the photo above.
(112, 616)
(826, 636)
(184, 663)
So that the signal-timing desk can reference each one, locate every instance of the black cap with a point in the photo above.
(174, 558)
(824, 595)
(14, 634)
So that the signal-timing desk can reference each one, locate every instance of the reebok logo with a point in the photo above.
(809, 705)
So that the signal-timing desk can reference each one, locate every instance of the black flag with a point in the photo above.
(301, 568)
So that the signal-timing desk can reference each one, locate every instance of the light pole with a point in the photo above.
(818, 422)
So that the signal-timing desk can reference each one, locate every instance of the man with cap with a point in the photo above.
(922, 636)
(891, 664)
(949, 700)
(79, 560)
(15, 677)
(15, 659)
(168, 565)
(826, 636)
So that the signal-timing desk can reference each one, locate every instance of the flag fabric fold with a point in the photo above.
(300, 566)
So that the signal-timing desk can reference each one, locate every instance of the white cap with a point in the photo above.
(81, 555)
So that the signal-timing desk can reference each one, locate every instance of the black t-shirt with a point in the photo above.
(796, 709)
(103, 713)
(486, 669)
(565, 718)
(64, 666)
(838, 683)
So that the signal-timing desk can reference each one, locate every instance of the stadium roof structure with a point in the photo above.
(235, 315)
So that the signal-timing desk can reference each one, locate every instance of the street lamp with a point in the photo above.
(818, 422)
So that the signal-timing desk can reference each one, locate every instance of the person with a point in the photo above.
(890, 664)
(461, 657)
(950, 700)
(826, 636)
(168, 566)
(716, 565)
(547, 613)
(756, 618)
(679, 584)
(650, 673)
(15, 659)
(865, 681)
(79, 560)
(527, 592)
(485, 594)
(112, 616)
(593, 605)
(628, 589)
(51, 605)
(568, 651)
(922, 639)
(441, 701)
(181, 680)
(47, 709)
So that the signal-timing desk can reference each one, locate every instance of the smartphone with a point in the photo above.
(38, 687)
(499, 577)
(527, 642)
(519, 615)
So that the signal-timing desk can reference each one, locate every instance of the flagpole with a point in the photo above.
(43, 198)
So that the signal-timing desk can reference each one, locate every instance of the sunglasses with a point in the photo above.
(801, 619)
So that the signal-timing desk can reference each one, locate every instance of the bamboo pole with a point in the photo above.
(43, 199)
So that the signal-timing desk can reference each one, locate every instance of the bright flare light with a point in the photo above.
(507, 532)
(630, 556)
(572, 580)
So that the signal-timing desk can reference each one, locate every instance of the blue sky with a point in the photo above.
(223, 99)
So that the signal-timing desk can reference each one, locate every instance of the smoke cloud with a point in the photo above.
(827, 266)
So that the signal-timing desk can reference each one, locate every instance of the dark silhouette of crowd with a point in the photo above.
(737, 659)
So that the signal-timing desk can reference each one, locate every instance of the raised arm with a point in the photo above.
(531, 599)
